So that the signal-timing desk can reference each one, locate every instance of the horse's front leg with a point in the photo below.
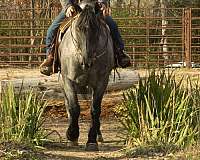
(98, 93)
(73, 110)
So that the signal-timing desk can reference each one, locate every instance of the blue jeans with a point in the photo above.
(52, 30)
(117, 39)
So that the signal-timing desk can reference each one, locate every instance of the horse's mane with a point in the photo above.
(89, 24)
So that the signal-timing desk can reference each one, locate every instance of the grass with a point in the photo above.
(161, 111)
(21, 116)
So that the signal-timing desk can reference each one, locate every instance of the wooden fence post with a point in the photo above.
(187, 33)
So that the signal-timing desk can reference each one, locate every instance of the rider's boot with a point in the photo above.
(122, 59)
(46, 67)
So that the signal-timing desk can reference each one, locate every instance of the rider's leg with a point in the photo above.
(114, 32)
(122, 58)
(51, 32)
(53, 28)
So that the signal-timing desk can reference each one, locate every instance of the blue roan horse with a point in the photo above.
(86, 56)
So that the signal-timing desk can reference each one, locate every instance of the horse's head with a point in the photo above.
(87, 20)
(86, 48)
(88, 30)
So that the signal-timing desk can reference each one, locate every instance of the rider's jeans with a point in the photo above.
(52, 30)
(114, 32)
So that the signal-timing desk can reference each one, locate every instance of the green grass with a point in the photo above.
(21, 116)
(160, 112)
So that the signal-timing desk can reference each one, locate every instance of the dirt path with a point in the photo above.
(109, 149)
(110, 127)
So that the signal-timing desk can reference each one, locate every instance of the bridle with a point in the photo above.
(100, 52)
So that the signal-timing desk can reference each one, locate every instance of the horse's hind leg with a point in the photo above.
(99, 136)
(73, 109)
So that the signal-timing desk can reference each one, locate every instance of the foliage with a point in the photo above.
(21, 116)
(161, 111)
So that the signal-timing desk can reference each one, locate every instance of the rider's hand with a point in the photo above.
(104, 9)
(70, 11)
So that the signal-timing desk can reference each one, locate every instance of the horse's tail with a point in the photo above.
(88, 24)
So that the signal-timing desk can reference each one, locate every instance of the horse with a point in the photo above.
(87, 59)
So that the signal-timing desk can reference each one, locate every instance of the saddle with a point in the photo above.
(57, 39)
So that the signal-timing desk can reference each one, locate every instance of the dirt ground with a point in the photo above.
(109, 149)
(111, 129)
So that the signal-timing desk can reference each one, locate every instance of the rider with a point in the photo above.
(123, 60)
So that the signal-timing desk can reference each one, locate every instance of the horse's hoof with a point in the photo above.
(91, 147)
(100, 138)
(72, 143)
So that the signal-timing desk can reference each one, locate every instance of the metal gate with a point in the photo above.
(152, 39)
(156, 40)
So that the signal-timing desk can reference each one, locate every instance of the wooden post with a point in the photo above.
(188, 37)
(183, 36)
(147, 15)
(32, 31)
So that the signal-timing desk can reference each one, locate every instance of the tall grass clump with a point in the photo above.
(161, 110)
(21, 116)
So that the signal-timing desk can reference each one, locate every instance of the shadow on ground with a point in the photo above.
(56, 150)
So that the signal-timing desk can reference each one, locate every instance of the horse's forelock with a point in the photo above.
(89, 24)
(87, 20)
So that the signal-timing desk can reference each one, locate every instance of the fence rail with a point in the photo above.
(154, 38)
